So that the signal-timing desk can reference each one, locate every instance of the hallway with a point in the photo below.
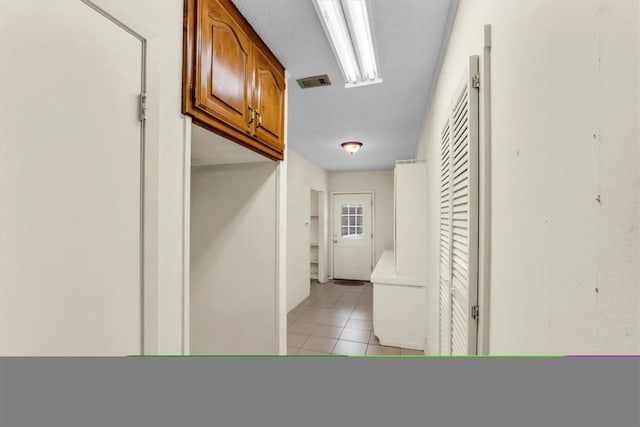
(336, 319)
(493, 202)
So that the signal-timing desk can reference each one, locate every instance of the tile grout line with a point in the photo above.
(326, 297)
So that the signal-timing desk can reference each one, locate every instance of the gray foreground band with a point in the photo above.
(319, 392)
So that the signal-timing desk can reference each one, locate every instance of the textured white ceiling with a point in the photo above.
(387, 117)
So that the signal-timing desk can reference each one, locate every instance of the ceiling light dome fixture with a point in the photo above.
(347, 24)
(351, 147)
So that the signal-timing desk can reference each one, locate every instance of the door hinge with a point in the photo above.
(192, 93)
(475, 80)
(143, 106)
(475, 312)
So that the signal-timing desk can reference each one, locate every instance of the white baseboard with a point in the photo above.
(402, 344)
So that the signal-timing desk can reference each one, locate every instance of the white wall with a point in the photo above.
(233, 259)
(380, 182)
(302, 177)
(410, 228)
(564, 98)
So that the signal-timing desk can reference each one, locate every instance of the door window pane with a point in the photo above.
(351, 221)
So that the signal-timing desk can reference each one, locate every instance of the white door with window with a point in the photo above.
(71, 182)
(352, 236)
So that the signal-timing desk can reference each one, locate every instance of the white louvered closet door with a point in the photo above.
(459, 220)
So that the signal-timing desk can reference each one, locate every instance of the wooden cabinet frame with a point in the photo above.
(265, 136)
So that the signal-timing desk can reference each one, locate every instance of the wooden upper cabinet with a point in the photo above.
(268, 99)
(223, 66)
(232, 83)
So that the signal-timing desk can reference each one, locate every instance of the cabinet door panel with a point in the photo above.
(269, 101)
(223, 66)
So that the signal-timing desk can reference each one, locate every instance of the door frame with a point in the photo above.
(484, 195)
(150, 37)
(373, 225)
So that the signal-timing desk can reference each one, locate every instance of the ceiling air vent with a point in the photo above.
(314, 81)
(407, 162)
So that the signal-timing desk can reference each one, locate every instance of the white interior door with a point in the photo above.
(352, 236)
(459, 220)
(70, 169)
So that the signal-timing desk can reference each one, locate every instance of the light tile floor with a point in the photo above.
(336, 319)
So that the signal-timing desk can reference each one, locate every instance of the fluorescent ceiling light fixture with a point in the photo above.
(348, 28)
(351, 147)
